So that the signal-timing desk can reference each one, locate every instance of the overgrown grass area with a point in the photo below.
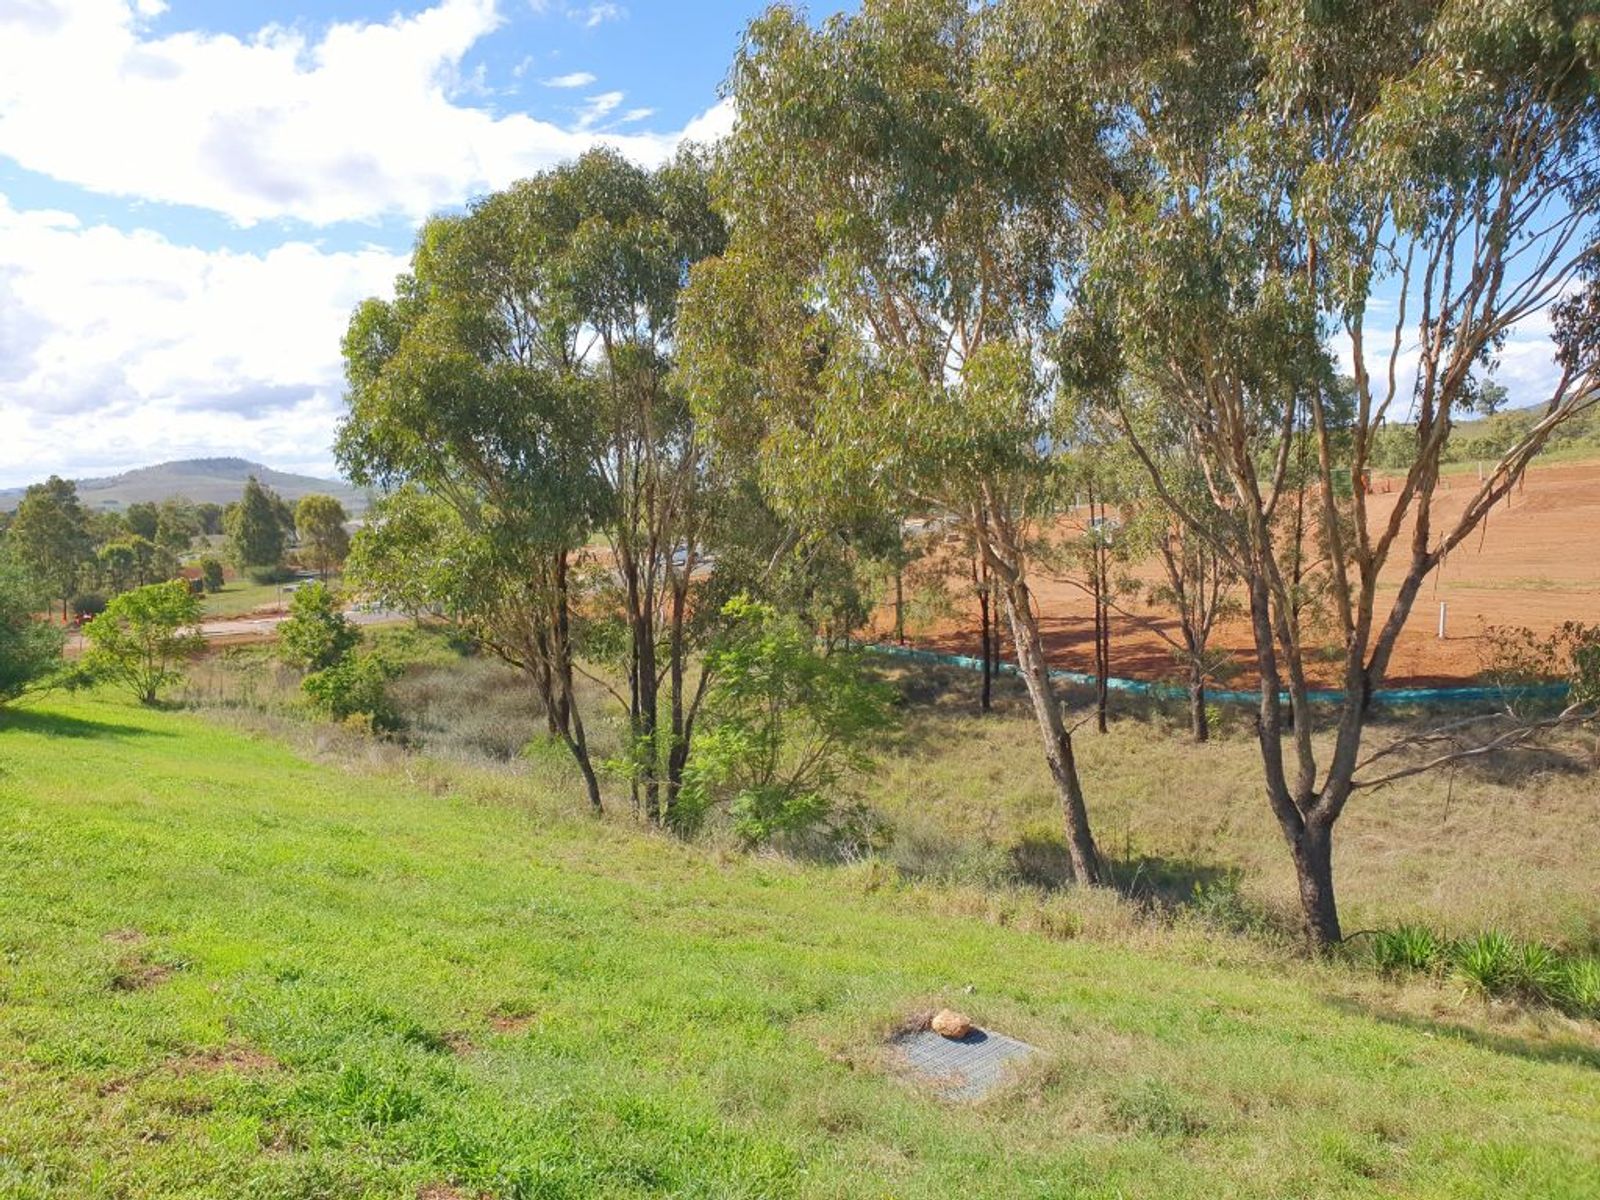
(229, 970)
(1506, 843)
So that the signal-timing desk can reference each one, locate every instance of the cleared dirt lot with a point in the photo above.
(1536, 562)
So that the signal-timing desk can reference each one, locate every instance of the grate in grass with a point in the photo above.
(967, 1068)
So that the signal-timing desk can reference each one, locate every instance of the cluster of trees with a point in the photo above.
(124, 570)
(548, 483)
(81, 556)
(952, 260)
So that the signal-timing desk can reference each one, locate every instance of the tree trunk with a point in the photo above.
(678, 749)
(1102, 660)
(1057, 739)
(899, 607)
(1199, 722)
(1102, 615)
(1313, 866)
(987, 640)
(572, 731)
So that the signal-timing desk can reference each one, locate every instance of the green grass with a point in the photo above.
(240, 596)
(229, 971)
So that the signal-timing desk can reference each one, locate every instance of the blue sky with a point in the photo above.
(194, 195)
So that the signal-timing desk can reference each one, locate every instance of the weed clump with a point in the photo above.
(1494, 965)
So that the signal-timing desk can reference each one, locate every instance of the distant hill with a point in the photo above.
(217, 480)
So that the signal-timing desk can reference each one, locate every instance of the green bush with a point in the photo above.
(1577, 988)
(316, 636)
(87, 604)
(144, 636)
(30, 648)
(211, 572)
(1221, 903)
(784, 727)
(1536, 971)
(1494, 965)
(355, 688)
(276, 573)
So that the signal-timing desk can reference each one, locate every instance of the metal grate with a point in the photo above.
(966, 1068)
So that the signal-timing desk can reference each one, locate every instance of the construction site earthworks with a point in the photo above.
(1535, 563)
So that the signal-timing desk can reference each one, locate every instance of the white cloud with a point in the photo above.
(596, 108)
(575, 79)
(1525, 366)
(123, 348)
(356, 124)
(594, 15)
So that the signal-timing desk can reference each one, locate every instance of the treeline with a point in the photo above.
(79, 557)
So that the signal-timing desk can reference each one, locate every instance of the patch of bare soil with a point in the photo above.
(1534, 562)
(136, 974)
(244, 1060)
(511, 1022)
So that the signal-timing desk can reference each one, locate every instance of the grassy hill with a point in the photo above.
(227, 971)
(217, 480)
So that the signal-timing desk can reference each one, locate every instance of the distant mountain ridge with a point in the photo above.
(217, 480)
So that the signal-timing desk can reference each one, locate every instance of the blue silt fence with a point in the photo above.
(1158, 690)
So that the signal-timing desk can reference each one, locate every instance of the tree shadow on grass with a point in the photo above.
(1568, 1051)
(60, 725)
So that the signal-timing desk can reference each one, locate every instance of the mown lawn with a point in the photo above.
(240, 596)
(227, 971)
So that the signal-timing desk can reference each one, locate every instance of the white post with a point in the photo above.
(1442, 609)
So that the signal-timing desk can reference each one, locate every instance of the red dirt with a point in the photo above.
(1534, 562)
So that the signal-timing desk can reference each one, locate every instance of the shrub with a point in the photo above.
(1495, 965)
(276, 573)
(211, 572)
(1536, 971)
(355, 687)
(1221, 903)
(316, 636)
(1408, 948)
(1518, 658)
(87, 604)
(144, 636)
(30, 648)
(784, 725)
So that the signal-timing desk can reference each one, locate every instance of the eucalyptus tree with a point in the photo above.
(1406, 186)
(897, 241)
(625, 260)
(30, 646)
(1197, 583)
(466, 406)
(49, 536)
(319, 523)
(519, 394)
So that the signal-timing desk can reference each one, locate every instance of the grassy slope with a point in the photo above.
(1506, 843)
(349, 950)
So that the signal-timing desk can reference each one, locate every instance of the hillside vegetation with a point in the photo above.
(230, 971)
(201, 480)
